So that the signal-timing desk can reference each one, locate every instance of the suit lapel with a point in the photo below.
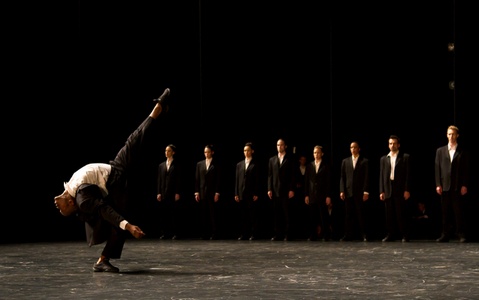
(285, 158)
(456, 153)
(250, 165)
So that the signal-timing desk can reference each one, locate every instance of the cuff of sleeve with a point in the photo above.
(123, 224)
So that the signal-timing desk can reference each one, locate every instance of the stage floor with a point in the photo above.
(230, 269)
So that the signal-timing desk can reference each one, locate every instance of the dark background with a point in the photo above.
(80, 77)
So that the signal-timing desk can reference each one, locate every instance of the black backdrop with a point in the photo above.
(82, 77)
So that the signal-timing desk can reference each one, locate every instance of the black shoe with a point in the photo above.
(274, 238)
(252, 238)
(346, 239)
(175, 237)
(405, 239)
(365, 239)
(312, 238)
(105, 266)
(443, 239)
(285, 238)
(240, 238)
(387, 238)
(162, 99)
(462, 240)
(162, 237)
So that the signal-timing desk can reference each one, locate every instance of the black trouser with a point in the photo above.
(130, 154)
(355, 211)
(209, 209)
(319, 216)
(281, 209)
(114, 244)
(396, 218)
(453, 213)
(248, 217)
(168, 212)
(125, 161)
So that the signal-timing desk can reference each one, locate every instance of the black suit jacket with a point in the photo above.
(169, 181)
(98, 213)
(354, 182)
(281, 176)
(401, 174)
(247, 181)
(317, 185)
(451, 176)
(207, 182)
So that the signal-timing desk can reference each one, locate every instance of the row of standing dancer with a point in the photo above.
(313, 183)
